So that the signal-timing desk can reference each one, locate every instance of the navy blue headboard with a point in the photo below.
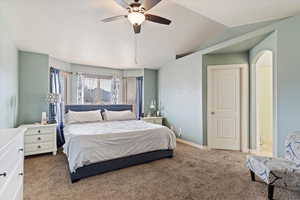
(116, 107)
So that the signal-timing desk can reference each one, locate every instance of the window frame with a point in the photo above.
(81, 100)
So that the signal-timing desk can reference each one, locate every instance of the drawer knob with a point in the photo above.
(21, 174)
(4, 174)
(21, 149)
(39, 131)
(39, 138)
(39, 147)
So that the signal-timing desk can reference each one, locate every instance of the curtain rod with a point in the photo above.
(84, 73)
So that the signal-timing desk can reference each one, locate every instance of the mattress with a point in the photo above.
(88, 143)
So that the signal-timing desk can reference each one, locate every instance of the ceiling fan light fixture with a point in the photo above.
(136, 18)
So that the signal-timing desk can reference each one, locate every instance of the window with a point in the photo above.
(105, 91)
(94, 89)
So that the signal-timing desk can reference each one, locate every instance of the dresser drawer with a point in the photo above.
(158, 121)
(153, 120)
(29, 139)
(149, 120)
(19, 194)
(13, 181)
(8, 158)
(39, 130)
(38, 147)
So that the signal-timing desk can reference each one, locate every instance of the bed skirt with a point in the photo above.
(119, 163)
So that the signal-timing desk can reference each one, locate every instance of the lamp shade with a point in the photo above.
(53, 98)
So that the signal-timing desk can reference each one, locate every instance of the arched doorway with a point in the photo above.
(264, 103)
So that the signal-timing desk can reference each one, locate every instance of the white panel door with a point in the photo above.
(224, 107)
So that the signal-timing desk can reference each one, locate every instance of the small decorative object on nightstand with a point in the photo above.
(153, 120)
(52, 99)
(40, 139)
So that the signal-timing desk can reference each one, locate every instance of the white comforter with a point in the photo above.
(94, 142)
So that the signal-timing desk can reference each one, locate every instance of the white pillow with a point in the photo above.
(118, 115)
(80, 117)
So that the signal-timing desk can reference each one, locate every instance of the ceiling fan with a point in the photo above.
(137, 13)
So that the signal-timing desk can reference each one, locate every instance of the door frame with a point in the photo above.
(244, 102)
(253, 125)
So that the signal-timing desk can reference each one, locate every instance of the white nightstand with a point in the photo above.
(39, 139)
(153, 120)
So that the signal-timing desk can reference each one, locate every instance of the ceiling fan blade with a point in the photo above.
(110, 19)
(137, 28)
(148, 4)
(157, 19)
(122, 3)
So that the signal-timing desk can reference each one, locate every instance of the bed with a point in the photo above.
(99, 147)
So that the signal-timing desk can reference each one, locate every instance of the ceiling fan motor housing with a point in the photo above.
(137, 13)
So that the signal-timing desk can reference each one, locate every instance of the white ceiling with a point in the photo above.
(240, 12)
(72, 30)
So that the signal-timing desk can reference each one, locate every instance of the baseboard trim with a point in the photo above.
(253, 151)
(198, 146)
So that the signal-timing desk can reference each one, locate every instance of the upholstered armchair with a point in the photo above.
(278, 171)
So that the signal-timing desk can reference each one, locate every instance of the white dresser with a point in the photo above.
(11, 163)
(40, 139)
(153, 120)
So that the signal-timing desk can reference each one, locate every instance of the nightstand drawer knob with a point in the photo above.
(39, 131)
(39, 147)
(4, 174)
(39, 138)
(21, 174)
(21, 149)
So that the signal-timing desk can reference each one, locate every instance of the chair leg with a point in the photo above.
(270, 192)
(252, 175)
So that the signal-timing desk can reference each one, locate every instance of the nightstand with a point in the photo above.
(39, 139)
(153, 120)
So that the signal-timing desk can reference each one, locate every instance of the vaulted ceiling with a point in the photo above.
(72, 30)
(240, 12)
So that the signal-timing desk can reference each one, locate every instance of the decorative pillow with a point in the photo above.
(80, 117)
(118, 115)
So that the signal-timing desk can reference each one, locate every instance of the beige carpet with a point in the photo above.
(192, 174)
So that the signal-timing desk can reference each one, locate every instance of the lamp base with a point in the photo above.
(51, 122)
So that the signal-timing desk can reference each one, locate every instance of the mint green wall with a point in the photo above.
(180, 94)
(285, 45)
(288, 63)
(8, 79)
(183, 89)
(284, 42)
(218, 59)
(150, 88)
(33, 86)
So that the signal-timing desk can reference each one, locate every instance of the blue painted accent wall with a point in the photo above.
(183, 89)
(288, 63)
(150, 88)
(180, 92)
(285, 45)
(33, 86)
(8, 78)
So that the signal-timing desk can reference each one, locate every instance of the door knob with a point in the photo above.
(3, 174)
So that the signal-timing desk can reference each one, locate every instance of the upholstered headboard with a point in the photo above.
(116, 107)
